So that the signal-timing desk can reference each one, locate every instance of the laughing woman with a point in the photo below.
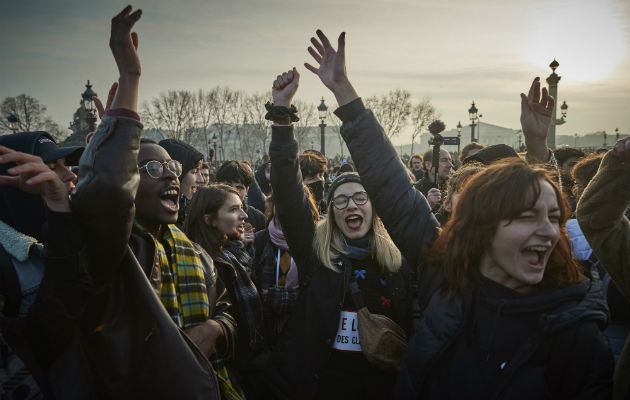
(216, 221)
(320, 354)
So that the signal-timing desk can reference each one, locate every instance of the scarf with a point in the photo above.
(187, 305)
(276, 235)
(183, 288)
(358, 249)
(246, 297)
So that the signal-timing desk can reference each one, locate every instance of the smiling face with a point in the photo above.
(519, 252)
(354, 221)
(157, 200)
(230, 218)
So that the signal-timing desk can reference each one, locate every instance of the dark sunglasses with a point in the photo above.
(157, 169)
(340, 202)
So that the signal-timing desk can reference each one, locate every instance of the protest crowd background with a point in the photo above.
(207, 245)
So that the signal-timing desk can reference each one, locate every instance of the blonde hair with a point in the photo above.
(329, 243)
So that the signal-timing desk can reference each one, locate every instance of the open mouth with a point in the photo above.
(354, 222)
(170, 198)
(536, 256)
(241, 228)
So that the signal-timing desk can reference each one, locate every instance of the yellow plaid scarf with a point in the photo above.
(188, 306)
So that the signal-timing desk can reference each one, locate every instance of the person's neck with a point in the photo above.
(154, 228)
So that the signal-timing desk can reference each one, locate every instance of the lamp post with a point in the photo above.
(13, 120)
(605, 136)
(472, 114)
(479, 128)
(575, 136)
(552, 81)
(459, 135)
(89, 107)
(214, 145)
(616, 135)
(321, 108)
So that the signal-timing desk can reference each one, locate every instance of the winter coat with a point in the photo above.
(492, 343)
(600, 213)
(404, 211)
(305, 348)
(135, 349)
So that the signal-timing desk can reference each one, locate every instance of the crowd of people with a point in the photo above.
(151, 274)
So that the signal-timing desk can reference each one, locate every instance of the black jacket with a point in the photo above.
(306, 345)
(493, 344)
(404, 211)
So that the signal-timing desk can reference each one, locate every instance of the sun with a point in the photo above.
(588, 38)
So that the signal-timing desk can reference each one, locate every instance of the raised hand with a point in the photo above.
(110, 98)
(434, 197)
(31, 175)
(124, 43)
(536, 111)
(124, 46)
(332, 66)
(622, 150)
(284, 88)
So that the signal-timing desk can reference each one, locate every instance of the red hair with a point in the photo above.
(501, 192)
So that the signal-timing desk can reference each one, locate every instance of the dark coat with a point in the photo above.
(561, 355)
(404, 211)
(306, 344)
(135, 349)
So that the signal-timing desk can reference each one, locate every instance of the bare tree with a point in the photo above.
(203, 117)
(391, 110)
(422, 115)
(223, 109)
(304, 127)
(255, 111)
(172, 113)
(30, 114)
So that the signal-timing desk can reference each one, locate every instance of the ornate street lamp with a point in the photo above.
(616, 134)
(13, 120)
(88, 105)
(575, 136)
(321, 109)
(459, 135)
(552, 81)
(472, 114)
(605, 136)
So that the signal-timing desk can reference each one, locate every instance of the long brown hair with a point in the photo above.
(207, 201)
(501, 192)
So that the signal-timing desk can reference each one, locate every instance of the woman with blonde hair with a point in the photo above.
(320, 354)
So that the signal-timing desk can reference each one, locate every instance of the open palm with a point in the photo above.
(536, 111)
(332, 64)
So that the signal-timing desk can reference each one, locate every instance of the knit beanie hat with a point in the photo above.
(187, 155)
(340, 180)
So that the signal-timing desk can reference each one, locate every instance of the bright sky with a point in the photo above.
(452, 51)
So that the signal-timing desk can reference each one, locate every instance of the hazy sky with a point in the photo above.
(451, 51)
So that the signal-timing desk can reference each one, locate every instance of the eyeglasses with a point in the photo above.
(156, 169)
(340, 202)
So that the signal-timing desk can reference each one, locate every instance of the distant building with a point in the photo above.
(488, 134)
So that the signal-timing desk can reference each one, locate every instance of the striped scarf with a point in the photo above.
(188, 306)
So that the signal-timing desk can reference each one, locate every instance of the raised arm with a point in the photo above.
(290, 198)
(600, 213)
(404, 210)
(536, 111)
(108, 178)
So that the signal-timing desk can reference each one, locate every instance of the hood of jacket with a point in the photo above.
(17, 244)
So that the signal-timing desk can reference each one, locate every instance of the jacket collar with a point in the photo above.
(17, 244)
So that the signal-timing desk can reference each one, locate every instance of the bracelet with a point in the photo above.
(281, 113)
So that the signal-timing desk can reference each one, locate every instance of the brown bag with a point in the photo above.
(383, 341)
